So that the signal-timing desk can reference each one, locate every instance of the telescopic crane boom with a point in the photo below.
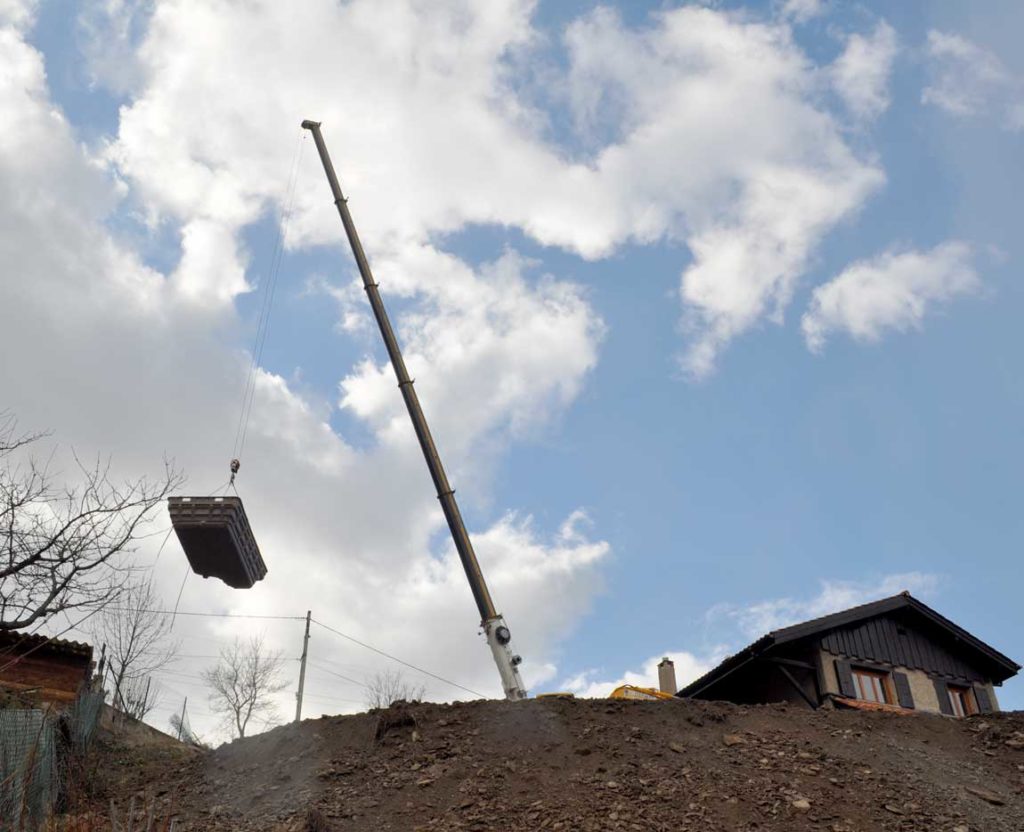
(498, 636)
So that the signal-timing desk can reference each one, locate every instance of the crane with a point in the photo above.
(495, 629)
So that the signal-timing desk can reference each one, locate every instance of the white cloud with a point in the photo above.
(148, 360)
(544, 338)
(891, 291)
(688, 667)
(801, 11)
(110, 32)
(861, 73)
(762, 617)
(722, 148)
(969, 81)
(17, 13)
(709, 135)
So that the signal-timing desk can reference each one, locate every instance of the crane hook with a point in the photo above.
(235, 465)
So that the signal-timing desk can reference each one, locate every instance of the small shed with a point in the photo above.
(895, 654)
(50, 671)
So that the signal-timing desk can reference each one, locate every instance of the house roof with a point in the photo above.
(14, 643)
(844, 618)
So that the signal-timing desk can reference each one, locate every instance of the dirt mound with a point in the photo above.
(601, 765)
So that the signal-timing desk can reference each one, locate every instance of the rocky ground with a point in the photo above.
(590, 765)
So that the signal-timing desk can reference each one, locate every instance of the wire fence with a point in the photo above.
(37, 749)
(28, 768)
(82, 720)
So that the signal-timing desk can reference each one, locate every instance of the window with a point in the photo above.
(961, 700)
(873, 686)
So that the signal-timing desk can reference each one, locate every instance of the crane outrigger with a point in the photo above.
(493, 623)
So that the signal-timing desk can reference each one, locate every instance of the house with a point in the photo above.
(895, 654)
(37, 668)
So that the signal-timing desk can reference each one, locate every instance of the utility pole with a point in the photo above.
(496, 631)
(302, 669)
(181, 722)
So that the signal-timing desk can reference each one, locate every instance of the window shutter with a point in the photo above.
(845, 677)
(942, 692)
(903, 694)
(982, 698)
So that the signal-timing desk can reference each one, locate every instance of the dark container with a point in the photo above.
(217, 539)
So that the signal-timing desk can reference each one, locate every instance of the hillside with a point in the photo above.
(592, 765)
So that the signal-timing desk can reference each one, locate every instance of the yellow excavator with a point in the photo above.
(636, 692)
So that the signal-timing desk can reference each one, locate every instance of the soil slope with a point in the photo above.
(593, 765)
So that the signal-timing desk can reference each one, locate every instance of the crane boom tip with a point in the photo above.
(309, 124)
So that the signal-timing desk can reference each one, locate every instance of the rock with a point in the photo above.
(677, 747)
(802, 804)
(896, 810)
(733, 739)
(985, 794)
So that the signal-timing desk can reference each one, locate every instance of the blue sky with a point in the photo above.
(704, 498)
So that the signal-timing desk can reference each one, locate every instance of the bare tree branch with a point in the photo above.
(137, 643)
(386, 688)
(137, 696)
(64, 547)
(243, 682)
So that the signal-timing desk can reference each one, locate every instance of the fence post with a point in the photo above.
(181, 722)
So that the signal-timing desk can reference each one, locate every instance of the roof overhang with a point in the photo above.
(1003, 666)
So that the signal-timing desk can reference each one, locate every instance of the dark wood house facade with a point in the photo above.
(897, 653)
(39, 669)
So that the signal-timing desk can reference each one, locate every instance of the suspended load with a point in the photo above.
(217, 539)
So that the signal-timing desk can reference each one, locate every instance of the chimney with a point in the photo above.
(667, 676)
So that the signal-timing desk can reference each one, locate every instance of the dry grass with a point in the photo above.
(138, 816)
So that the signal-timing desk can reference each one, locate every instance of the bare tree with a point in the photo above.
(62, 547)
(387, 687)
(243, 683)
(183, 731)
(138, 643)
(137, 696)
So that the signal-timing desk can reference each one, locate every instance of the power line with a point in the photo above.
(400, 661)
(339, 675)
(340, 666)
(177, 674)
(327, 627)
(215, 614)
(330, 700)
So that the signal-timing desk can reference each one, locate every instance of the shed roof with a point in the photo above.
(15, 643)
(904, 601)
